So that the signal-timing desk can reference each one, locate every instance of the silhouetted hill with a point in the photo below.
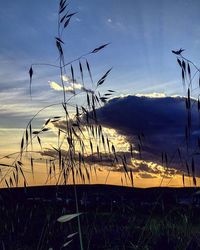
(96, 193)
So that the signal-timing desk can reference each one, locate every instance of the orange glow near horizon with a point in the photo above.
(99, 174)
(110, 178)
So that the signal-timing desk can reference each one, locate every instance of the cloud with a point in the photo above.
(162, 121)
(58, 87)
(71, 85)
(78, 19)
(152, 95)
(106, 161)
(146, 175)
(16, 106)
(157, 123)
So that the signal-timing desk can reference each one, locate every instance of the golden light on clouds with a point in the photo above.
(145, 173)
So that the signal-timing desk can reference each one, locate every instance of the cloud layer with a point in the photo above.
(161, 120)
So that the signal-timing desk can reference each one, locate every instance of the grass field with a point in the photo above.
(112, 218)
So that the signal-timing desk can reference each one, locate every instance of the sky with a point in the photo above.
(141, 34)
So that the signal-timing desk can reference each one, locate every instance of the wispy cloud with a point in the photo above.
(116, 25)
(78, 19)
(70, 85)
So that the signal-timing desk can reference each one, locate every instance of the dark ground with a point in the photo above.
(113, 218)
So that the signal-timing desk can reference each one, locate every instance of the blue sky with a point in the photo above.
(142, 34)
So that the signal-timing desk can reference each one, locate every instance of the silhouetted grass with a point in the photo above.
(79, 134)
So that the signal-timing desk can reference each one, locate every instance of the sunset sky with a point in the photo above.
(141, 34)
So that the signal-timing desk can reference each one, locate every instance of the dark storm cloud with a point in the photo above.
(161, 120)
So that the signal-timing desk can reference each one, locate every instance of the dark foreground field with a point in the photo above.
(112, 218)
